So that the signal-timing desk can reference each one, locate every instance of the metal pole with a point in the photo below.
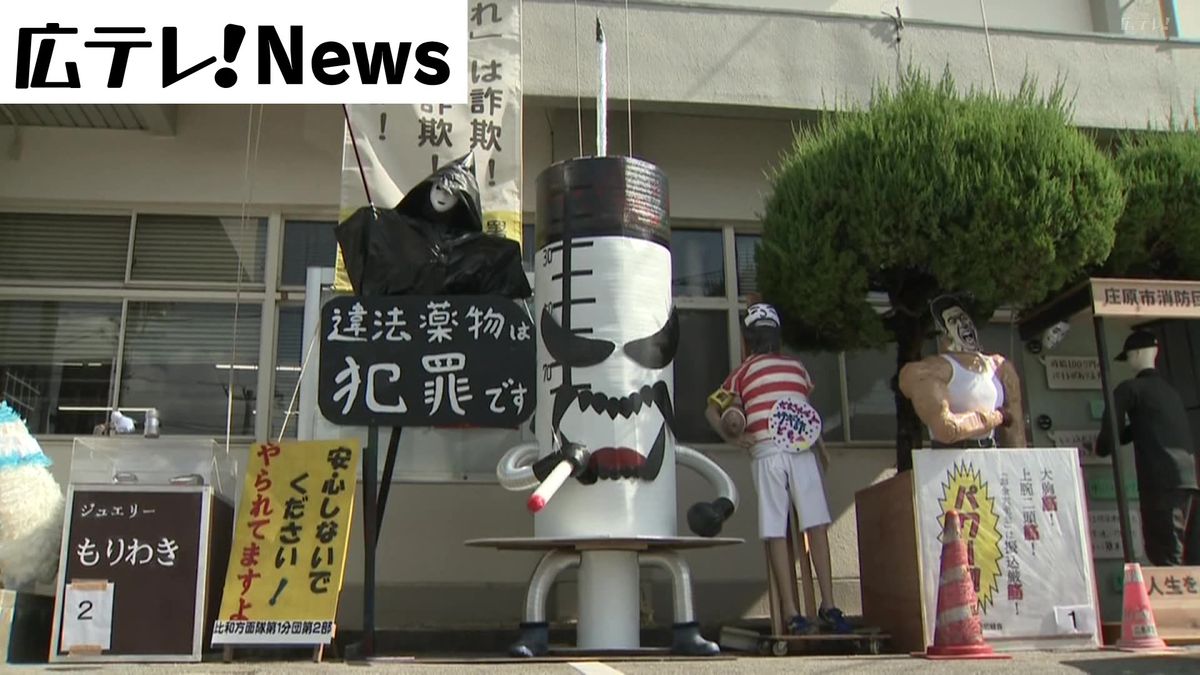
(602, 94)
(1114, 430)
(987, 37)
(369, 479)
(385, 485)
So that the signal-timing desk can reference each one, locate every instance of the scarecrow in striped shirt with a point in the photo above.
(763, 406)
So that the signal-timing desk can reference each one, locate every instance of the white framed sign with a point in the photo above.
(1024, 521)
(1105, 528)
(1072, 372)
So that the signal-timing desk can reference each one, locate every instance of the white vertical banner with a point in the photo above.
(1022, 515)
(400, 145)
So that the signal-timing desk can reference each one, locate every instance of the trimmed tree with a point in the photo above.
(928, 191)
(1158, 235)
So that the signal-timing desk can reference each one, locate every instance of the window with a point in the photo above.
(700, 367)
(698, 263)
(290, 349)
(200, 249)
(179, 357)
(306, 244)
(746, 248)
(869, 388)
(60, 366)
(56, 362)
(827, 391)
(528, 244)
(61, 247)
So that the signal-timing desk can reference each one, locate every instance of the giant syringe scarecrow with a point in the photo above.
(604, 462)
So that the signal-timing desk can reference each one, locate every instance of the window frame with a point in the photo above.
(271, 294)
(265, 295)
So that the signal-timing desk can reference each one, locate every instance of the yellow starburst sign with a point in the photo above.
(966, 492)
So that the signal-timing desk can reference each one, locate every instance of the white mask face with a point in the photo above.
(1054, 335)
(442, 199)
(1141, 359)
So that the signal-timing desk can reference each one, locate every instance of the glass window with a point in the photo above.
(872, 401)
(306, 244)
(199, 248)
(528, 244)
(746, 246)
(701, 365)
(69, 248)
(289, 356)
(827, 391)
(178, 358)
(56, 362)
(698, 263)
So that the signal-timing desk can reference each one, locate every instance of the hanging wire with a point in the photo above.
(578, 93)
(987, 37)
(312, 342)
(628, 82)
(358, 158)
(253, 137)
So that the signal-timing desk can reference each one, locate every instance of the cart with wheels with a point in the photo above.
(777, 642)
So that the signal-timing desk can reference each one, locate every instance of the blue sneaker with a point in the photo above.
(833, 621)
(798, 625)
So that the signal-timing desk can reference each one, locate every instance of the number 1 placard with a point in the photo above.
(87, 616)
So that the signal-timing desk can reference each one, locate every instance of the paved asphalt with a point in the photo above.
(1087, 662)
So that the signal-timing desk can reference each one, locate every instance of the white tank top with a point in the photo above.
(969, 391)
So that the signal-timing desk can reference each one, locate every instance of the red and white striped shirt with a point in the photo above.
(762, 380)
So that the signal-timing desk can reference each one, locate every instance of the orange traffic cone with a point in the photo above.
(958, 633)
(1139, 632)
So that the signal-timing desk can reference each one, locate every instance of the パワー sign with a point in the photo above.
(1022, 521)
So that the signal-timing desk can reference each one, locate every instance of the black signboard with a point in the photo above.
(465, 360)
(132, 580)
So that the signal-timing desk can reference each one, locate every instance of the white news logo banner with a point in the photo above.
(222, 51)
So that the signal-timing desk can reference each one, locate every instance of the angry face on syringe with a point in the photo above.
(589, 408)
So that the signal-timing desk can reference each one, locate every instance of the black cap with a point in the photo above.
(1139, 339)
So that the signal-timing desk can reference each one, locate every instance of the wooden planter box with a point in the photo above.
(889, 563)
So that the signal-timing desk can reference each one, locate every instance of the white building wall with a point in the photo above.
(716, 167)
(1065, 16)
(793, 61)
(761, 67)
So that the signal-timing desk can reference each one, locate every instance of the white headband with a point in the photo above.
(761, 312)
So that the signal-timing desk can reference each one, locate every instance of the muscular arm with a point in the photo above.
(925, 384)
(1013, 435)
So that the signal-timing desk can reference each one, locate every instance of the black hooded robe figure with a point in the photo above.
(432, 243)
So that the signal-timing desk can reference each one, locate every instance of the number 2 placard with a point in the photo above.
(87, 616)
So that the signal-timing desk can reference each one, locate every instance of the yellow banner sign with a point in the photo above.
(289, 546)
(1147, 298)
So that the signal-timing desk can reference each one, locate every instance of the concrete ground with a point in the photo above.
(1089, 662)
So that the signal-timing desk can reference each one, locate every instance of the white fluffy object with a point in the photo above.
(31, 507)
(31, 520)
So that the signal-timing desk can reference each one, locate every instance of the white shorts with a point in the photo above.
(795, 473)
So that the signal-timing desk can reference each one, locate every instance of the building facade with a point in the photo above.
(156, 256)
